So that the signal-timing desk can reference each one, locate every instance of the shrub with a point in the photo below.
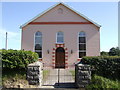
(106, 66)
(103, 53)
(99, 83)
(17, 58)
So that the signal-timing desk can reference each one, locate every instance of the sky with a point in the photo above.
(14, 14)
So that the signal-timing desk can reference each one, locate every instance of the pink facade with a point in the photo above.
(63, 19)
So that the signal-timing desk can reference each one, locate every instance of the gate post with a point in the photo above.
(82, 75)
(34, 73)
(58, 76)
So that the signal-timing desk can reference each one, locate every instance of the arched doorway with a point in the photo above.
(60, 58)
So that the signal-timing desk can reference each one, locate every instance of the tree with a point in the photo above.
(103, 53)
(114, 51)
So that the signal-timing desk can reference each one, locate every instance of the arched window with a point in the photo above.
(60, 37)
(38, 43)
(82, 44)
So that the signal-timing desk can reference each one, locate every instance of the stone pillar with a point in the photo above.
(82, 75)
(34, 73)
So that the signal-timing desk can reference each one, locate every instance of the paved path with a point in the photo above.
(66, 80)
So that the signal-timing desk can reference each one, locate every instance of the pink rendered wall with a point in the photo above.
(54, 16)
(70, 38)
(70, 35)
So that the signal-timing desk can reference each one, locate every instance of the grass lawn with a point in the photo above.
(73, 73)
(45, 74)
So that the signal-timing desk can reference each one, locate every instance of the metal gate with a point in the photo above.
(58, 77)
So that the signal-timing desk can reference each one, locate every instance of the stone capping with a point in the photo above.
(34, 73)
(82, 75)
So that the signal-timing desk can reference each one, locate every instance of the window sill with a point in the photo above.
(59, 43)
(40, 59)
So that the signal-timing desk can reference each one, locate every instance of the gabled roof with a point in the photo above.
(41, 14)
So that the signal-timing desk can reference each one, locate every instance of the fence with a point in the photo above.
(78, 75)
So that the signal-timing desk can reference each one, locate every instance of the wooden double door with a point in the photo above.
(60, 58)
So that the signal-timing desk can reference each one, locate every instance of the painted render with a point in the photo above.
(70, 34)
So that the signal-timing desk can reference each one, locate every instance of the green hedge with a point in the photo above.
(106, 66)
(17, 58)
(101, 83)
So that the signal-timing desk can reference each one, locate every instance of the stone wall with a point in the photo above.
(82, 75)
(34, 73)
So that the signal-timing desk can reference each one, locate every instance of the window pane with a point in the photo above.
(38, 47)
(60, 38)
(82, 34)
(38, 40)
(39, 54)
(82, 46)
(82, 40)
(38, 50)
(81, 54)
(38, 43)
(60, 33)
(38, 34)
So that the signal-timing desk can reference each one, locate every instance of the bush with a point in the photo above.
(114, 51)
(17, 58)
(99, 83)
(106, 66)
(103, 53)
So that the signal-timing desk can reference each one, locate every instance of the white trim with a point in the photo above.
(80, 58)
(39, 58)
(21, 39)
(39, 15)
(81, 43)
(82, 50)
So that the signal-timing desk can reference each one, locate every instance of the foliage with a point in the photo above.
(12, 78)
(13, 73)
(114, 51)
(99, 83)
(73, 73)
(17, 58)
(103, 53)
(106, 66)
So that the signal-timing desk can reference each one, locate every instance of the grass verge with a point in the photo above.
(13, 78)
(45, 74)
(73, 73)
(15, 73)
